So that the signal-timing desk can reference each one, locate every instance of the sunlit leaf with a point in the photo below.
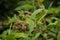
(20, 35)
(35, 13)
(41, 0)
(31, 25)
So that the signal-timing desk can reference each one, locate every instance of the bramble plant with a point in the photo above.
(37, 24)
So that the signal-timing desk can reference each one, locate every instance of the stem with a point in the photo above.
(50, 5)
(42, 17)
(33, 3)
(10, 25)
(38, 3)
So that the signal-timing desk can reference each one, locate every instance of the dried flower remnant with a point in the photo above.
(20, 15)
(27, 12)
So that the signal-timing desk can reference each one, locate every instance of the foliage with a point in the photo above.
(33, 22)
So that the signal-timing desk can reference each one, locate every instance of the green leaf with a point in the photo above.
(35, 13)
(20, 12)
(53, 10)
(50, 4)
(31, 25)
(45, 35)
(13, 19)
(36, 36)
(27, 6)
(58, 37)
(41, 0)
(40, 16)
(58, 23)
(21, 35)
(8, 35)
(51, 39)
